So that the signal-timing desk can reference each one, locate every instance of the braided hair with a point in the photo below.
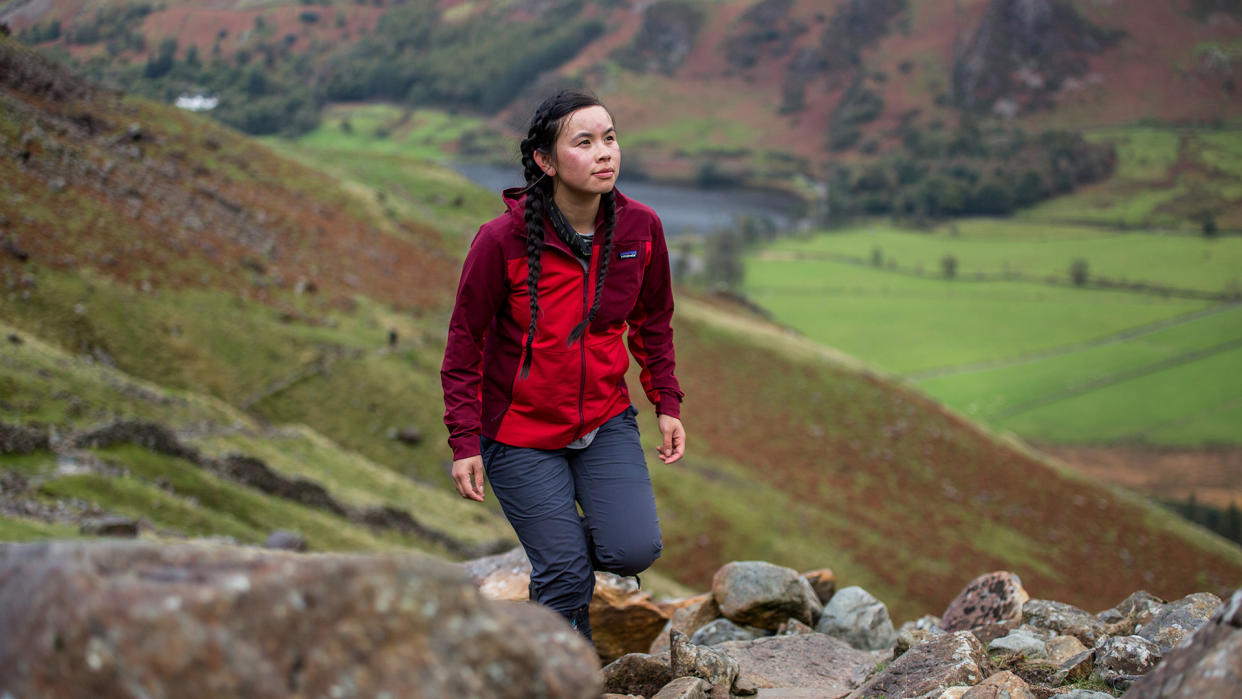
(541, 137)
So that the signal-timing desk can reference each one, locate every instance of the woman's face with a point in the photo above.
(588, 157)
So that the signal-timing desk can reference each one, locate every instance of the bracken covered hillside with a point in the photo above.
(157, 266)
(767, 87)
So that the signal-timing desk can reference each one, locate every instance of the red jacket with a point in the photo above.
(571, 389)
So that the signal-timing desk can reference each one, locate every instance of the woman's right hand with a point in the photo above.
(468, 477)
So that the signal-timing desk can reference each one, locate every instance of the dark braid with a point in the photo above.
(608, 203)
(537, 197)
(545, 126)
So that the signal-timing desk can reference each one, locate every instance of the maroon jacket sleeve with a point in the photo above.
(651, 331)
(480, 294)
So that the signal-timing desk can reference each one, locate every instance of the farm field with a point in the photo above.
(1032, 250)
(1010, 340)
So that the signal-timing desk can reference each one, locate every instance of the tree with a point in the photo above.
(1209, 226)
(161, 62)
(1078, 272)
(724, 259)
(948, 265)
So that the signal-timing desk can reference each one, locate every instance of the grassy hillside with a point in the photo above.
(264, 333)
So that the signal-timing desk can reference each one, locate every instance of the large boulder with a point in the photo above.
(130, 618)
(1064, 619)
(1208, 664)
(940, 662)
(992, 600)
(813, 662)
(757, 593)
(1178, 619)
(859, 619)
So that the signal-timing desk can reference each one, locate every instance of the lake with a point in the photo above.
(682, 209)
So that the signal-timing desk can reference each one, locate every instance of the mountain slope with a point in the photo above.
(783, 69)
(796, 455)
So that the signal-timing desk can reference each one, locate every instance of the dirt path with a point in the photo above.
(1214, 475)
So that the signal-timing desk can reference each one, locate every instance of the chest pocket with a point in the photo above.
(625, 280)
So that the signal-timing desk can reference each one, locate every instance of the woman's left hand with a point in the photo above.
(674, 436)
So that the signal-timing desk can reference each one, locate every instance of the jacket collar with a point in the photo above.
(515, 203)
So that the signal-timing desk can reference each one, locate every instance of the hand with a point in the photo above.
(674, 439)
(468, 477)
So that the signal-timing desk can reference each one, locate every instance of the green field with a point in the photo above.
(1012, 341)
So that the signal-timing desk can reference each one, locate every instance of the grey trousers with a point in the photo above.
(618, 530)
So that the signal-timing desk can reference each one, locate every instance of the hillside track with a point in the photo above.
(1113, 339)
(1120, 377)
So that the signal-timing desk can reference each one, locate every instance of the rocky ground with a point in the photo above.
(769, 631)
(119, 618)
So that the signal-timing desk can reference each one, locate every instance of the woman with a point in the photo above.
(534, 370)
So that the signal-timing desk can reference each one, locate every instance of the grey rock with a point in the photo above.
(1085, 694)
(1137, 608)
(1118, 659)
(988, 600)
(715, 666)
(811, 661)
(1207, 664)
(722, 630)
(915, 632)
(22, 439)
(685, 688)
(410, 435)
(793, 627)
(1062, 648)
(1020, 642)
(110, 525)
(940, 662)
(761, 594)
(1002, 685)
(859, 619)
(690, 615)
(120, 618)
(1077, 668)
(1062, 618)
(1178, 619)
(285, 541)
(637, 673)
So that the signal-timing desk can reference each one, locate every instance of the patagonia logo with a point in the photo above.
(627, 254)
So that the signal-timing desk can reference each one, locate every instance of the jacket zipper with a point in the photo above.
(586, 281)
